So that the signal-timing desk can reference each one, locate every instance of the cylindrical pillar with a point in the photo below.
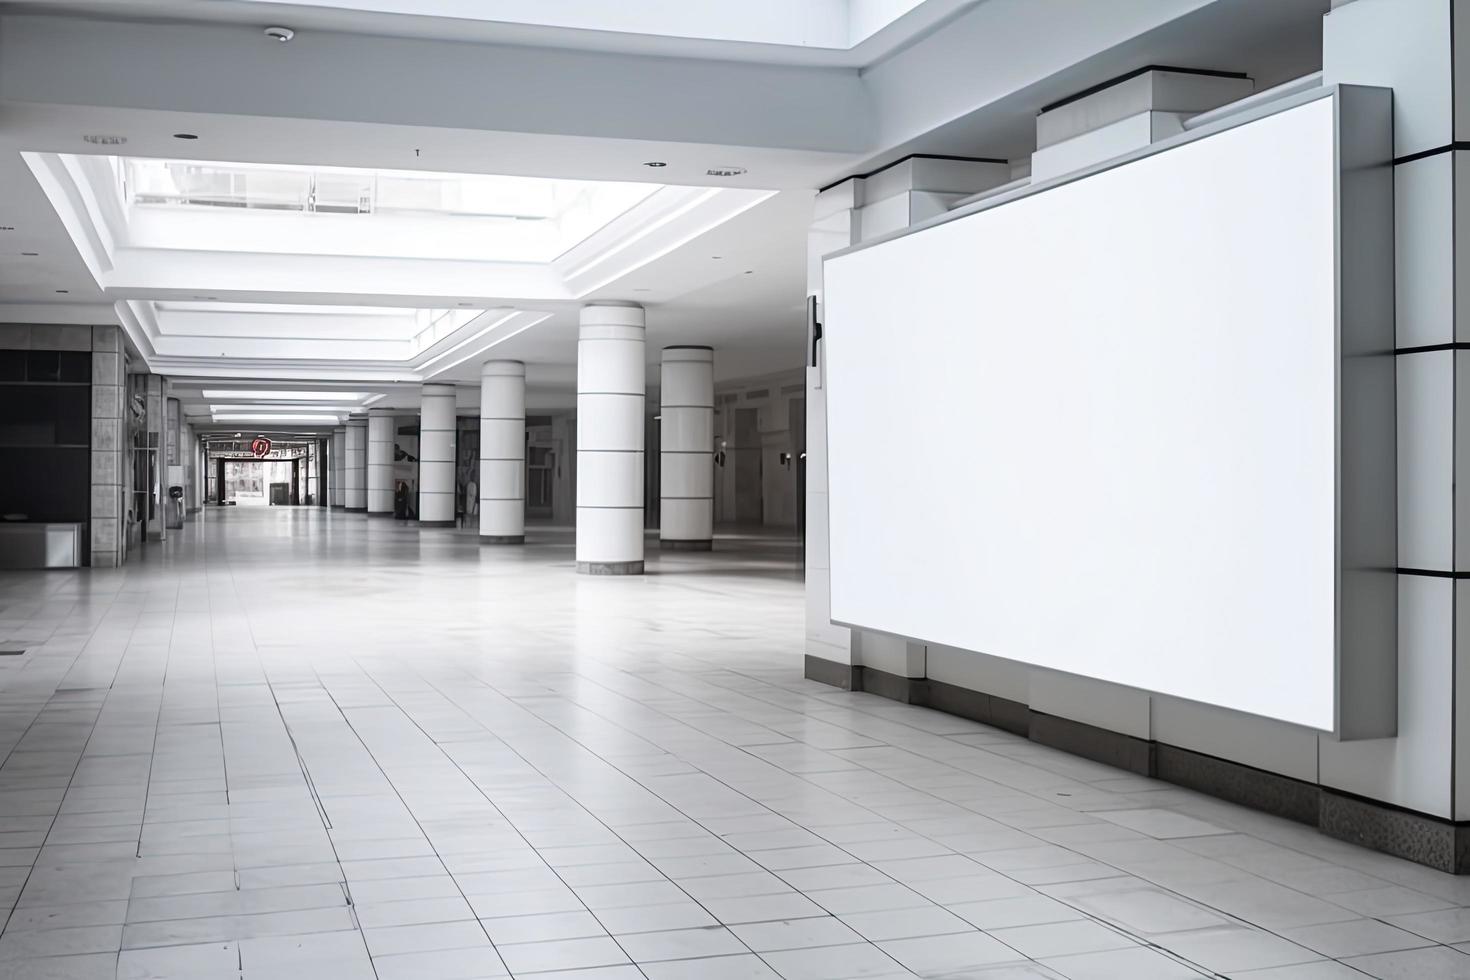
(502, 452)
(354, 465)
(686, 449)
(339, 466)
(611, 378)
(437, 423)
(380, 462)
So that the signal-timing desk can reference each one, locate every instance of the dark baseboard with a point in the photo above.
(1440, 844)
(502, 539)
(1256, 788)
(1437, 843)
(609, 568)
(1002, 713)
(355, 510)
(423, 523)
(705, 545)
(830, 672)
(1090, 742)
(895, 687)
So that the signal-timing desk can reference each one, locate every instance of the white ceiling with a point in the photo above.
(466, 95)
(832, 33)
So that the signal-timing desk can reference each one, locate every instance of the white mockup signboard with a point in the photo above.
(1096, 428)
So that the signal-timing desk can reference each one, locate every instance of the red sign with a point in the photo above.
(261, 447)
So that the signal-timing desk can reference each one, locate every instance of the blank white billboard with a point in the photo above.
(1094, 429)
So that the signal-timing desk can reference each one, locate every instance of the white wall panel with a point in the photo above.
(1426, 459)
(1424, 253)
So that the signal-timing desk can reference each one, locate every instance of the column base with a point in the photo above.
(338, 507)
(675, 544)
(610, 568)
(355, 510)
(502, 539)
(436, 523)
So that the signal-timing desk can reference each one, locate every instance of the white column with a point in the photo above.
(611, 381)
(380, 462)
(686, 449)
(503, 452)
(354, 465)
(339, 466)
(437, 424)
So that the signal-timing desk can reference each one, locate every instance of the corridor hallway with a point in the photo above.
(298, 744)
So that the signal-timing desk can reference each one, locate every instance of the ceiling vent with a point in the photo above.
(725, 171)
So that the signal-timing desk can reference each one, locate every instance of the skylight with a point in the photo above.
(350, 211)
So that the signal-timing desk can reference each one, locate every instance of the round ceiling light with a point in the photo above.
(655, 163)
(282, 34)
(185, 136)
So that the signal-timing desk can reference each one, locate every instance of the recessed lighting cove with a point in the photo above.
(284, 395)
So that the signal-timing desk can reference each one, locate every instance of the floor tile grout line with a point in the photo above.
(1141, 940)
(157, 724)
(752, 690)
(81, 755)
(321, 813)
(510, 823)
(396, 792)
(1041, 799)
(678, 810)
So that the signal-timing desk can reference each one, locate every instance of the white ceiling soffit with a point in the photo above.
(971, 87)
(330, 359)
(846, 33)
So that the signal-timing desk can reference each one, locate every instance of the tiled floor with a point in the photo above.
(292, 744)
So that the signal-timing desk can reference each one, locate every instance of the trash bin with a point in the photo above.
(175, 516)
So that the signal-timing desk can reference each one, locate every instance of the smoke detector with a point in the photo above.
(282, 34)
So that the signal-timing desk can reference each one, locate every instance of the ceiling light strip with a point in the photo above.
(499, 340)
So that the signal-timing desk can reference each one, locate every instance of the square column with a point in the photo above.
(611, 388)
(110, 471)
(686, 450)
